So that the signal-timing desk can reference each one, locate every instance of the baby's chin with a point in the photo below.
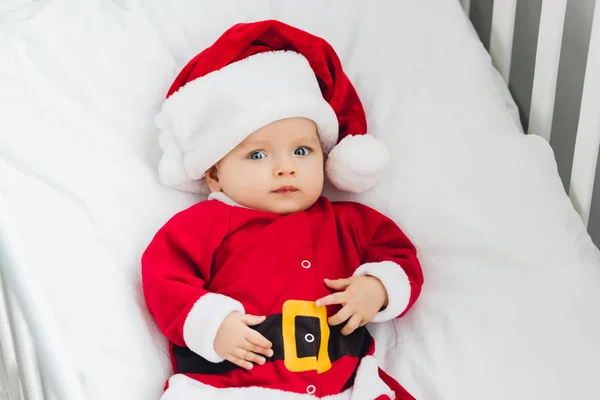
(282, 206)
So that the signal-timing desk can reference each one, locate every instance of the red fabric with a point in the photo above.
(256, 257)
(401, 393)
(245, 39)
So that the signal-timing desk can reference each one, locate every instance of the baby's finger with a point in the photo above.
(238, 361)
(351, 325)
(341, 316)
(248, 356)
(252, 320)
(338, 284)
(258, 349)
(257, 339)
(334, 298)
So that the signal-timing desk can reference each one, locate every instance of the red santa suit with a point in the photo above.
(218, 257)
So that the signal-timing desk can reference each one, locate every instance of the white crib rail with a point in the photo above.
(9, 377)
(28, 334)
(20, 364)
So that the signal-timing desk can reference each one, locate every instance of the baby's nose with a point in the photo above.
(286, 171)
(285, 167)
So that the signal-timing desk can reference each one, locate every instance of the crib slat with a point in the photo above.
(546, 67)
(523, 57)
(9, 377)
(481, 13)
(585, 176)
(501, 38)
(570, 84)
(31, 383)
(466, 5)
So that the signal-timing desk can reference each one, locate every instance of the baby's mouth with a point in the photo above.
(285, 190)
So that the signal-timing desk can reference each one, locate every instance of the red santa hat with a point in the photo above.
(255, 74)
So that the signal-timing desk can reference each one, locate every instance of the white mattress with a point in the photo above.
(512, 280)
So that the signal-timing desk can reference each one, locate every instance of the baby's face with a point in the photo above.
(278, 168)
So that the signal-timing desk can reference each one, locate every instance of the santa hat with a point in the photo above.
(253, 75)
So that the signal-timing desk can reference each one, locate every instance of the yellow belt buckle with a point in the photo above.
(292, 309)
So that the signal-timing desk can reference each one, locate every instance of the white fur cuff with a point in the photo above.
(203, 322)
(396, 284)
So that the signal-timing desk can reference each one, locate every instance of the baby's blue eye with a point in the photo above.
(257, 155)
(302, 151)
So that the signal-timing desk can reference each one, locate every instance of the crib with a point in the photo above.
(504, 206)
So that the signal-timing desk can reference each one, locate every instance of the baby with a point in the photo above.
(264, 290)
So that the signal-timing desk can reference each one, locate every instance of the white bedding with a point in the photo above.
(511, 302)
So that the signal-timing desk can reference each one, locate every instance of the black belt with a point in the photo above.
(307, 344)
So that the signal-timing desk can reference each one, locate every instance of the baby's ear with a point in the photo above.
(212, 179)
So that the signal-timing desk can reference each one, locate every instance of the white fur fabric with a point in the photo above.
(357, 163)
(204, 320)
(396, 284)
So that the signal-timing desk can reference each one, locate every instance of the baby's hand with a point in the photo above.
(238, 343)
(361, 297)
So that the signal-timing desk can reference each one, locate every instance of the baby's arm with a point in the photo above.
(387, 255)
(391, 257)
(174, 270)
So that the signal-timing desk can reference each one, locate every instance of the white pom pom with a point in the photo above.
(355, 164)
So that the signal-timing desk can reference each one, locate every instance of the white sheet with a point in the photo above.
(512, 295)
